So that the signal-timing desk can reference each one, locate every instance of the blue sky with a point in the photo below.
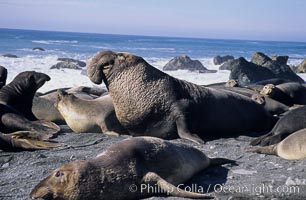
(227, 19)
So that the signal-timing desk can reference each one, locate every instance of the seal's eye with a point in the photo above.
(58, 174)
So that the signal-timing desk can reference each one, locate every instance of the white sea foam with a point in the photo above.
(55, 41)
(71, 78)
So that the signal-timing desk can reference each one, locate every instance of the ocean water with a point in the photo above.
(156, 50)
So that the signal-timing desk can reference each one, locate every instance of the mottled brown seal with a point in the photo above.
(291, 148)
(127, 165)
(150, 102)
(93, 116)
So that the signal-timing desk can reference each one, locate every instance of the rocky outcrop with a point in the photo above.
(227, 65)
(218, 60)
(282, 60)
(185, 63)
(9, 55)
(38, 49)
(78, 62)
(245, 73)
(277, 67)
(69, 63)
(301, 68)
(66, 65)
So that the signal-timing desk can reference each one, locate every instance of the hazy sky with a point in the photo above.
(233, 19)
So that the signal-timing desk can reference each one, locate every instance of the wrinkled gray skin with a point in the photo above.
(292, 121)
(152, 103)
(134, 161)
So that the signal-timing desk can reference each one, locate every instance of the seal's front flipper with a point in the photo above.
(46, 127)
(183, 132)
(24, 140)
(271, 150)
(258, 140)
(153, 179)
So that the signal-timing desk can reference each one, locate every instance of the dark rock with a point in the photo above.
(218, 60)
(9, 55)
(227, 65)
(79, 63)
(184, 62)
(65, 65)
(245, 72)
(38, 49)
(301, 68)
(282, 71)
(282, 60)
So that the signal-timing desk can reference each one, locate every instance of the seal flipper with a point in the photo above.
(258, 140)
(23, 141)
(271, 150)
(170, 189)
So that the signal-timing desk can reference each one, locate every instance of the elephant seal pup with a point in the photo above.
(93, 116)
(292, 121)
(291, 148)
(272, 106)
(16, 102)
(135, 162)
(152, 103)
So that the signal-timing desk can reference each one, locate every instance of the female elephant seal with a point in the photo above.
(16, 104)
(291, 148)
(94, 116)
(133, 162)
(294, 120)
(152, 103)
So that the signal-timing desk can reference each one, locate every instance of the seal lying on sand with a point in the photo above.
(291, 148)
(132, 162)
(150, 102)
(43, 105)
(272, 106)
(16, 103)
(294, 120)
(287, 93)
(93, 116)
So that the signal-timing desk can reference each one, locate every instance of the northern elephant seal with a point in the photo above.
(287, 93)
(16, 104)
(94, 116)
(3, 76)
(152, 103)
(292, 121)
(132, 162)
(291, 148)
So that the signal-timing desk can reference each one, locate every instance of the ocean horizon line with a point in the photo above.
(154, 36)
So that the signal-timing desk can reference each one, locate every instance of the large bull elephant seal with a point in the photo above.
(152, 103)
(124, 166)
